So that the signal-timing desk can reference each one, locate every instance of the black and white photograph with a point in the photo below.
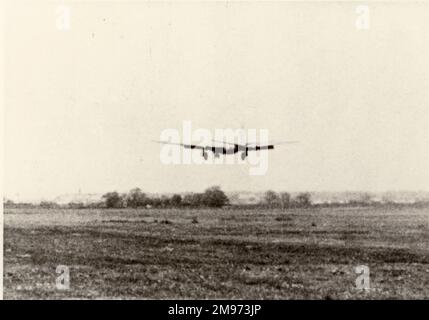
(215, 150)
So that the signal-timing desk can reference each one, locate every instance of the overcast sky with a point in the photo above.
(83, 105)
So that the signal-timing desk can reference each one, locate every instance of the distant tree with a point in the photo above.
(187, 200)
(136, 198)
(96, 205)
(76, 205)
(8, 203)
(271, 198)
(113, 200)
(197, 200)
(155, 202)
(48, 205)
(176, 200)
(193, 200)
(285, 199)
(365, 198)
(214, 197)
(165, 201)
(303, 199)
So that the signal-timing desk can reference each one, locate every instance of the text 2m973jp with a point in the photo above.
(245, 309)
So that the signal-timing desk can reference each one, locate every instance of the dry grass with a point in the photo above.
(297, 254)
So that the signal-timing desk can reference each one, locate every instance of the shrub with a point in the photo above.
(214, 197)
(114, 200)
(136, 198)
(48, 205)
(285, 199)
(176, 200)
(271, 199)
(303, 199)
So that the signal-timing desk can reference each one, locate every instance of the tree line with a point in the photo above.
(212, 197)
(284, 200)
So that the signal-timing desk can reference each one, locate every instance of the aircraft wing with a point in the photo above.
(230, 143)
(266, 147)
(186, 146)
(254, 146)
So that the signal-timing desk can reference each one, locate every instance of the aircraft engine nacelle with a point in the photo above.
(205, 155)
(243, 155)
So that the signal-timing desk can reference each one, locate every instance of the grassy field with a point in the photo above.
(232, 254)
